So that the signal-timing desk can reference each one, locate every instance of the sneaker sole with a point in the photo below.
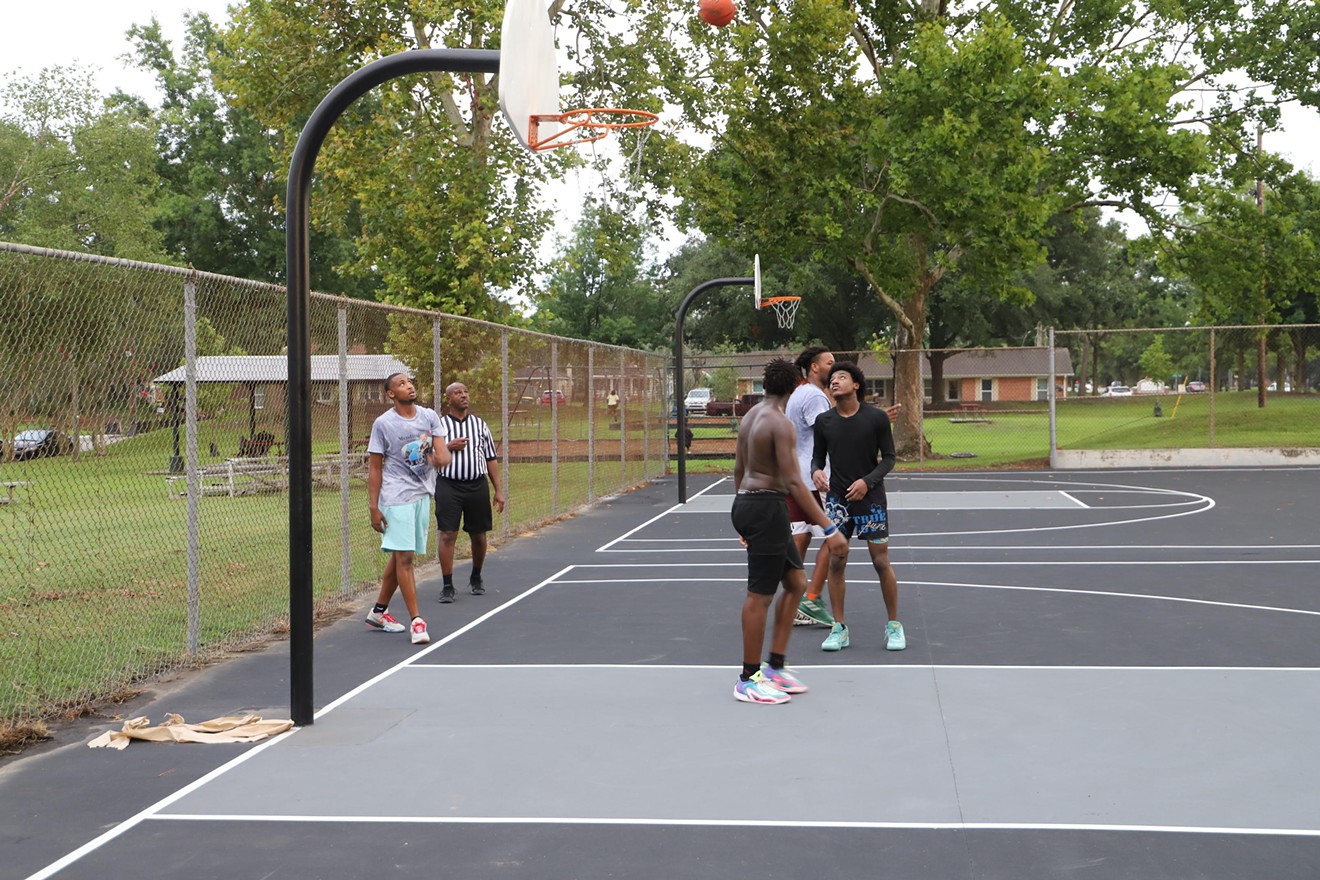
(892, 647)
(380, 627)
(422, 641)
(446, 600)
(840, 647)
(744, 698)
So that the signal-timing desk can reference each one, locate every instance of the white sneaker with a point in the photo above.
(384, 621)
(419, 634)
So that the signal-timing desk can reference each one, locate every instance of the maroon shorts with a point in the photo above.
(796, 513)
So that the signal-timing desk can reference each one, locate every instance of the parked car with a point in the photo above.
(545, 397)
(1117, 391)
(696, 400)
(1196, 386)
(737, 407)
(39, 443)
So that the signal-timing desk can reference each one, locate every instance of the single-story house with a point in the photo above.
(265, 378)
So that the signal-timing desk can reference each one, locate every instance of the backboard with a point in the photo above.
(529, 71)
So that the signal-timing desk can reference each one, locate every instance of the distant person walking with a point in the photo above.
(765, 475)
(406, 446)
(461, 493)
(858, 442)
(612, 401)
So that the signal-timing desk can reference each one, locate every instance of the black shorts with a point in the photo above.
(468, 500)
(761, 518)
(868, 520)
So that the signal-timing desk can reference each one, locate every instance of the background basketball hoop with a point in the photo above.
(785, 307)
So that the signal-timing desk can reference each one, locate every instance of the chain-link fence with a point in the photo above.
(143, 476)
(1117, 393)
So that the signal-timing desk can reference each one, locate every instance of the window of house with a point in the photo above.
(371, 392)
(875, 389)
(987, 389)
(1042, 388)
(951, 390)
(326, 393)
(259, 397)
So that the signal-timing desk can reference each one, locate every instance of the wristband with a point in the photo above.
(831, 529)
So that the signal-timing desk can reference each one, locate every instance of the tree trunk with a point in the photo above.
(1262, 370)
(937, 359)
(1299, 361)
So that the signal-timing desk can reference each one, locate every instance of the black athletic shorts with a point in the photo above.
(761, 518)
(468, 500)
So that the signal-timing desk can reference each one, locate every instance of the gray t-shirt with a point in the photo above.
(804, 404)
(406, 472)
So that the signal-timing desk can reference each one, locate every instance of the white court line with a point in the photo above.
(605, 548)
(884, 667)
(1066, 591)
(1075, 500)
(1024, 562)
(152, 811)
(743, 823)
(1096, 547)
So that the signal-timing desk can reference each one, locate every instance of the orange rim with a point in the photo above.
(585, 125)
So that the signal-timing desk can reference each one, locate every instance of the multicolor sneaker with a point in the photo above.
(783, 679)
(385, 622)
(895, 640)
(837, 640)
(758, 690)
(419, 634)
(814, 612)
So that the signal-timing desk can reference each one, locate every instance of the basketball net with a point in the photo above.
(785, 308)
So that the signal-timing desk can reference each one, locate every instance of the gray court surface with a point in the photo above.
(1109, 675)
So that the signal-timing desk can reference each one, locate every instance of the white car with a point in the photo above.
(1118, 391)
(696, 400)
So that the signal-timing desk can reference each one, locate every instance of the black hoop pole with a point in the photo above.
(298, 271)
(678, 374)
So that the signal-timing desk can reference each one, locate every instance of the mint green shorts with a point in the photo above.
(406, 526)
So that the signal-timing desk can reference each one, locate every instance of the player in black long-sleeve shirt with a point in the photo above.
(859, 443)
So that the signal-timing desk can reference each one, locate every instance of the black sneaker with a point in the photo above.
(476, 588)
(446, 595)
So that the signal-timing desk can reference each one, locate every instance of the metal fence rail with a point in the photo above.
(144, 493)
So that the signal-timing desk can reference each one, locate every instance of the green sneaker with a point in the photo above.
(837, 640)
(813, 610)
(895, 640)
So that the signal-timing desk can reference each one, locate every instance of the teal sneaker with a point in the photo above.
(837, 640)
(894, 638)
(812, 611)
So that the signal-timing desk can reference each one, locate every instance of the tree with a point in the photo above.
(441, 203)
(77, 172)
(1155, 361)
(901, 140)
(599, 287)
(220, 205)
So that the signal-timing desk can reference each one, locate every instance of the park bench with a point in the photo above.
(9, 487)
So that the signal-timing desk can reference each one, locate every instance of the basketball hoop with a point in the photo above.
(786, 308)
(598, 122)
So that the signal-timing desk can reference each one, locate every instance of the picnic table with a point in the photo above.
(254, 476)
(9, 487)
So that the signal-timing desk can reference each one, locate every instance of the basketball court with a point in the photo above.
(1109, 674)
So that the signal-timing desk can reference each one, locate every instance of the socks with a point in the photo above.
(378, 608)
(449, 579)
(776, 661)
(476, 576)
(749, 669)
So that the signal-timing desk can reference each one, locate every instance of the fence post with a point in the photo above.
(646, 429)
(1049, 395)
(194, 479)
(1213, 383)
(345, 556)
(623, 428)
(504, 426)
(554, 428)
(591, 423)
(437, 392)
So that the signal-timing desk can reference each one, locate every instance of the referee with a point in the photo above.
(460, 491)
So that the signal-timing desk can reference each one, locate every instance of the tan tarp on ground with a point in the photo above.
(229, 729)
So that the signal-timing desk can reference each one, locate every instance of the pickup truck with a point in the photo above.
(736, 408)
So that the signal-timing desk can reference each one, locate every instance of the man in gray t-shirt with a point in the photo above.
(408, 443)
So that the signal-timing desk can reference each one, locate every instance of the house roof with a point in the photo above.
(275, 368)
(983, 363)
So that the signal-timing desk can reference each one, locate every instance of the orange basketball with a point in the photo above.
(717, 12)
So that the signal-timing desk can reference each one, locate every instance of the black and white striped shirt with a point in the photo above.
(469, 463)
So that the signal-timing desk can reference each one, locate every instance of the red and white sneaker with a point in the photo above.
(419, 634)
(385, 622)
